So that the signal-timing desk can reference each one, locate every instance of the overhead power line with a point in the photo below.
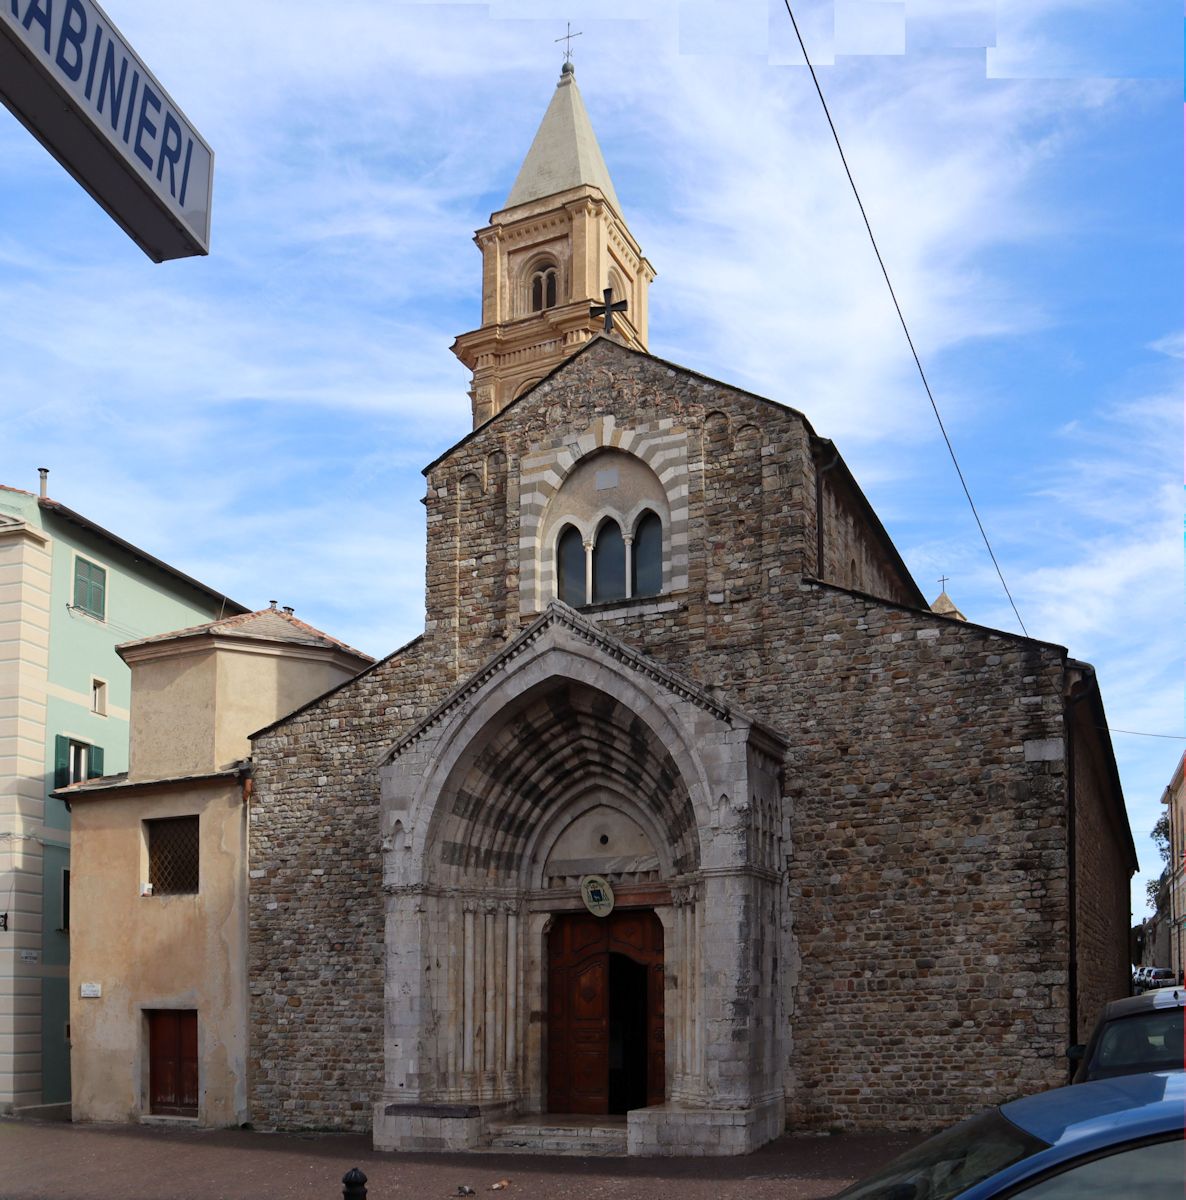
(1173, 737)
(898, 308)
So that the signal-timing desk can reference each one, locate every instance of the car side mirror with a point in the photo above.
(1075, 1053)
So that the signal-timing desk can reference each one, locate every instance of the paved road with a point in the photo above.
(106, 1162)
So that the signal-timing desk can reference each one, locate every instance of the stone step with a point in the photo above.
(536, 1137)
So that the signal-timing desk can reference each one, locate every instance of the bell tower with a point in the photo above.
(547, 256)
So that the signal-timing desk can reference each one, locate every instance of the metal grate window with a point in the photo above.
(173, 856)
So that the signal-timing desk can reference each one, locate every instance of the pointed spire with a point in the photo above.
(944, 606)
(565, 153)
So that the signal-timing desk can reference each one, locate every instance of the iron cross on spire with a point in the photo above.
(607, 309)
(567, 39)
(943, 582)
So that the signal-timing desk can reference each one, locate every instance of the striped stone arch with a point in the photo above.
(476, 788)
(559, 744)
(660, 445)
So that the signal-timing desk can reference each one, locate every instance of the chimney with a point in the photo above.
(272, 604)
(44, 473)
(288, 609)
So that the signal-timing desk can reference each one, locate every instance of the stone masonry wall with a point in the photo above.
(925, 785)
(315, 912)
(854, 556)
(1102, 900)
(927, 863)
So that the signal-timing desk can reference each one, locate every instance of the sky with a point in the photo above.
(259, 418)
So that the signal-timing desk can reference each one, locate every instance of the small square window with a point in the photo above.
(98, 697)
(173, 856)
(90, 588)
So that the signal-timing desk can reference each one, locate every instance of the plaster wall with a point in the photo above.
(158, 952)
(257, 684)
(173, 714)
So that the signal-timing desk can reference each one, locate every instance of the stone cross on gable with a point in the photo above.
(607, 309)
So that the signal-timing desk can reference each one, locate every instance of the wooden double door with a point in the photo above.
(605, 1013)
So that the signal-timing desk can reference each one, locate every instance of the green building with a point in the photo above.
(70, 592)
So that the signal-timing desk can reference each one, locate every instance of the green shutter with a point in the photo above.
(81, 584)
(94, 762)
(90, 588)
(61, 761)
(98, 591)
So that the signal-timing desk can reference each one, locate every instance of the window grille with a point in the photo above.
(173, 856)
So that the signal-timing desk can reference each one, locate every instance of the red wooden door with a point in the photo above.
(173, 1062)
(579, 1006)
(578, 1016)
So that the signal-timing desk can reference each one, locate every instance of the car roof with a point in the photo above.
(1103, 1111)
(1166, 997)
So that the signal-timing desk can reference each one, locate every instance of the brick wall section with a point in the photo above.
(927, 852)
(1102, 879)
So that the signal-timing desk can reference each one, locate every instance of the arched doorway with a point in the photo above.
(605, 1013)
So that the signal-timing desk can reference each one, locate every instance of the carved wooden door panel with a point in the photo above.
(578, 1016)
(579, 947)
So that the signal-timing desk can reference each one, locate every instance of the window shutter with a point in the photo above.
(98, 597)
(61, 761)
(94, 762)
(81, 589)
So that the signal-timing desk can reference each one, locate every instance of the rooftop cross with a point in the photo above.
(567, 38)
(943, 582)
(607, 309)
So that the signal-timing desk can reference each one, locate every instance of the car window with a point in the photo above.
(1153, 1172)
(949, 1163)
(1151, 1041)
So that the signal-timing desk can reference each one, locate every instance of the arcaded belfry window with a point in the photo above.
(609, 563)
(173, 856)
(543, 288)
(570, 563)
(647, 560)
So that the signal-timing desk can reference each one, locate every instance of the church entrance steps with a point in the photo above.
(559, 1133)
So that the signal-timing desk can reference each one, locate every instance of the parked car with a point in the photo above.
(1107, 1139)
(1138, 980)
(1138, 1033)
(1157, 977)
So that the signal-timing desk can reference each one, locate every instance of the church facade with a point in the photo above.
(685, 805)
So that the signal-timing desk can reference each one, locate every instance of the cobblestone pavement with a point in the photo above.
(108, 1162)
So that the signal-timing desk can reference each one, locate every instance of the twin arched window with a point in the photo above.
(543, 284)
(614, 567)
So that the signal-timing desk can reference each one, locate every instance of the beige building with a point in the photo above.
(158, 971)
(1174, 920)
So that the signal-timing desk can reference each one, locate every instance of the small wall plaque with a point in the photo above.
(29, 956)
(597, 895)
(90, 991)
